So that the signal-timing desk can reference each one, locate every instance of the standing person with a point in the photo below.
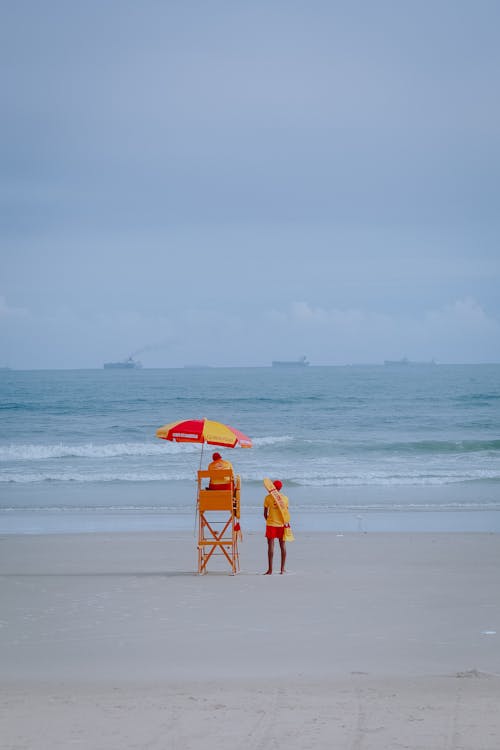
(276, 515)
(219, 463)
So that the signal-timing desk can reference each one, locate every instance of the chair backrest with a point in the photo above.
(215, 499)
(220, 476)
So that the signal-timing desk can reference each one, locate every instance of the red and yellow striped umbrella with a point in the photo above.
(204, 431)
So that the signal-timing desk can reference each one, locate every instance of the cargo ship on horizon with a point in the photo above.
(404, 361)
(300, 362)
(126, 364)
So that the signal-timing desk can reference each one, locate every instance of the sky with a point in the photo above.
(226, 183)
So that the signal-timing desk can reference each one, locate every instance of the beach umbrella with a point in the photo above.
(204, 431)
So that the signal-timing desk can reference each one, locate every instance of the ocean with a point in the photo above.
(357, 448)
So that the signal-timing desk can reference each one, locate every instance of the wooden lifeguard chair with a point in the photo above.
(218, 514)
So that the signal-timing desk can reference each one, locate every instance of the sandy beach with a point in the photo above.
(369, 642)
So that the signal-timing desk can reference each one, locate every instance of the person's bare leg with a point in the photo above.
(270, 553)
(283, 555)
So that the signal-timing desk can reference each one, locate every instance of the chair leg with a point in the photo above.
(211, 541)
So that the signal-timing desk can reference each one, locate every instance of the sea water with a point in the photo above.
(357, 448)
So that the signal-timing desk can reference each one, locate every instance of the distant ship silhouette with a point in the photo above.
(126, 364)
(405, 361)
(300, 362)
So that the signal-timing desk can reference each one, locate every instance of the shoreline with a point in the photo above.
(164, 506)
(105, 521)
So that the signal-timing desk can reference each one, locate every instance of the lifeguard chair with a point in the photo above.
(218, 514)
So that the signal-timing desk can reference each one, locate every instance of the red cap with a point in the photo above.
(216, 456)
(277, 484)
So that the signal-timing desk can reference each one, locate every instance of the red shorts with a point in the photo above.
(220, 486)
(274, 532)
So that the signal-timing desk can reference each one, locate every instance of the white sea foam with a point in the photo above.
(68, 475)
(40, 452)
(171, 473)
(272, 440)
(35, 452)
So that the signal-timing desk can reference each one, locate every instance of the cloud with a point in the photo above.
(464, 332)
(458, 332)
(466, 313)
(6, 311)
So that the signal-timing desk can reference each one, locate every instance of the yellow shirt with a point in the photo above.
(221, 465)
(274, 515)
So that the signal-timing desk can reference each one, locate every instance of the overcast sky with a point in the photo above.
(229, 183)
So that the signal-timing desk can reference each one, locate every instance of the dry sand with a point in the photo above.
(370, 642)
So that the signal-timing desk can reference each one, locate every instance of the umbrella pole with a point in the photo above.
(196, 508)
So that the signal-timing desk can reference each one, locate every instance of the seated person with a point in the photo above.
(219, 463)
